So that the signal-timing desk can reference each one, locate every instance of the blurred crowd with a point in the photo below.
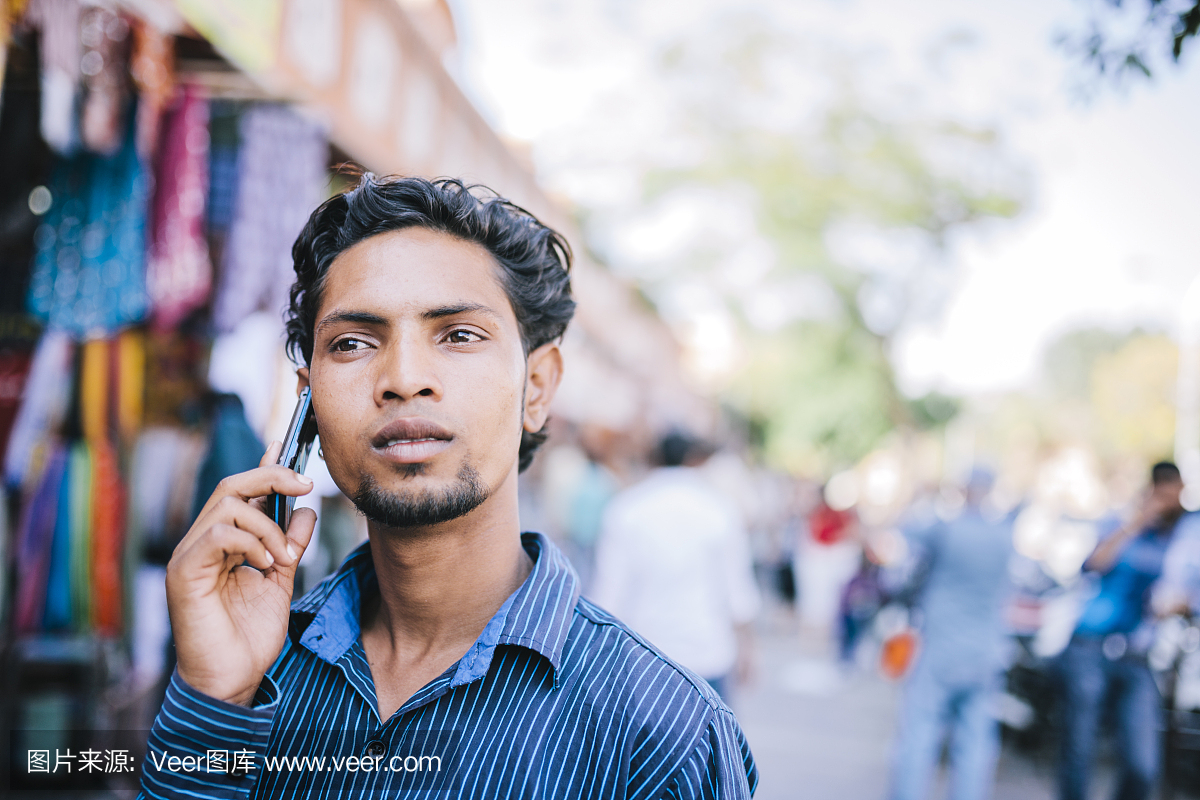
(1009, 619)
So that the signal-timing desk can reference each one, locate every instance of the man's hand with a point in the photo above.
(229, 583)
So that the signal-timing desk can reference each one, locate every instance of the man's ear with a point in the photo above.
(301, 380)
(543, 372)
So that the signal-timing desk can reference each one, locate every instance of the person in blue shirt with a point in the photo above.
(1107, 653)
(953, 685)
(450, 652)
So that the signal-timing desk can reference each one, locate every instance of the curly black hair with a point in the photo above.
(534, 259)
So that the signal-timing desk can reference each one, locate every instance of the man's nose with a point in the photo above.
(408, 369)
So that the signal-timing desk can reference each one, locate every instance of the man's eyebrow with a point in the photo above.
(458, 308)
(355, 317)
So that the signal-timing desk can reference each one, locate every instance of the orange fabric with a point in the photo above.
(108, 525)
(898, 653)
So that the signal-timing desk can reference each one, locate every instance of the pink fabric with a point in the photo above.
(178, 272)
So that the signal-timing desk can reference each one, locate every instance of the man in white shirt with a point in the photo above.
(673, 562)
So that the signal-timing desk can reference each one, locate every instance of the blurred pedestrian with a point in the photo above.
(1107, 654)
(826, 559)
(673, 562)
(964, 584)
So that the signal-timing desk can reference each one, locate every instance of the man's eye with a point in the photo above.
(463, 337)
(348, 345)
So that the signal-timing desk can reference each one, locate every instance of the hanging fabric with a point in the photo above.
(281, 179)
(108, 521)
(151, 64)
(16, 359)
(129, 366)
(35, 535)
(79, 510)
(104, 39)
(178, 272)
(43, 406)
(58, 23)
(89, 270)
(224, 142)
(93, 390)
(57, 614)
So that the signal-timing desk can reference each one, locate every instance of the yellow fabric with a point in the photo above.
(131, 370)
(93, 390)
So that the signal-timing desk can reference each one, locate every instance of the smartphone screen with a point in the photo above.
(297, 444)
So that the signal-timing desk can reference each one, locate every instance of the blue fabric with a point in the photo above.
(89, 273)
(556, 699)
(1088, 677)
(1119, 605)
(58, 582)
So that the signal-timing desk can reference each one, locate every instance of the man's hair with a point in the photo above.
(675, 448)
(534, 260)
(1164, 472)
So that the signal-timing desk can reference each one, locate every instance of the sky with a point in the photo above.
(1104, 238)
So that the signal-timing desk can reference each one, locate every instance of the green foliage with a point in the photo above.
(933, 410)
(824, 393)
(824, 386)
(1161, 27)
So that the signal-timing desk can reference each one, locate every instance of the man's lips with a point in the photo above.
(411, 440)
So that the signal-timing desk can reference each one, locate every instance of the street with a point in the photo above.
(819, 733)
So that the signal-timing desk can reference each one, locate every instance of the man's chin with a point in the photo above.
(415, 506)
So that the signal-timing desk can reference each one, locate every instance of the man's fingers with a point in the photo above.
(216, 545)
(233, 510)
(272, 454)
(263, 481)
(300, 531)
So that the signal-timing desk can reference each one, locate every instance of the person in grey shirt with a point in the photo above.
(964, 586)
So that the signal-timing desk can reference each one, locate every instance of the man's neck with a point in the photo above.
(438, 588)
(442, 583)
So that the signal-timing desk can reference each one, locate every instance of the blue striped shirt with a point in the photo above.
(556, 698)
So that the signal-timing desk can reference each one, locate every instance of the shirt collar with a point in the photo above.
(537, 616)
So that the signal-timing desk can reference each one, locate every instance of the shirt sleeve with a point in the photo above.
(203, 747)
(721, 766)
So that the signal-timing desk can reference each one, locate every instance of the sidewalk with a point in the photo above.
(818, 733)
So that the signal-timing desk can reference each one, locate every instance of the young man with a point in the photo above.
(450, 652)
(673, 558)
(1106, 657)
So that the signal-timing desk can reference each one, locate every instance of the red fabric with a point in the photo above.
(15, 362)
(828, 526)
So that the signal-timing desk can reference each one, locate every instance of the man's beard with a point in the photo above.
(427, 507)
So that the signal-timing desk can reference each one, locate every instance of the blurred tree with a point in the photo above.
(1133, 397)
(1069, 361)
(1133, 36)
(855, 204)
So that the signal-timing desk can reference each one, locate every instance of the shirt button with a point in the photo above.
(376, 748)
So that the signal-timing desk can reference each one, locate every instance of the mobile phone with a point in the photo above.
(301, 432)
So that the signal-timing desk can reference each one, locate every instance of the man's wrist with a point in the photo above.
(243, 696)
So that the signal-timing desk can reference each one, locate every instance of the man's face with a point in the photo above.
(1166, 495)
(418, 375)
